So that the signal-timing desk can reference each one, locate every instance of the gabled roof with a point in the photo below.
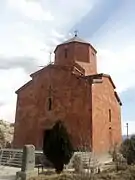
(108, 76)
(117, 97)
(96, 76)
(100, 75)
(75, 39)
(67, 68)
(51, 66)
(40, 70)
(24, 86)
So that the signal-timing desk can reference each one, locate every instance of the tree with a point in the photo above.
(57, 146)
(128, 150)
(2, 138)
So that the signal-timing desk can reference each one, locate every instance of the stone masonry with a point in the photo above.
(72, 91)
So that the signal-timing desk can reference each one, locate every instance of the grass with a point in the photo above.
(110, 174)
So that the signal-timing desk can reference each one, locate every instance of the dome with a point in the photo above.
(75, 39)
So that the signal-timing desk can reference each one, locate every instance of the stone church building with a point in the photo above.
(70, 90)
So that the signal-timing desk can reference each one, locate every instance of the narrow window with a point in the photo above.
(49, 104)
(66, 53)
(110, 115)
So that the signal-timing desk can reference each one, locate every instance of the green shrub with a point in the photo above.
(57, 146)
(128, 150)
(2, 138)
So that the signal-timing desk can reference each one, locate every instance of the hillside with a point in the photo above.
(6, 132)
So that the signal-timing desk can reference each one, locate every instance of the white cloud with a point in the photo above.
(18, 39)
(10, 81)
(31, 9)
(8, 111)
(31, 29)
(120, 65)
(55, 34)
(115, 45)
(66, 13)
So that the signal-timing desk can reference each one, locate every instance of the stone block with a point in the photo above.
(28, 159)
(20, 175)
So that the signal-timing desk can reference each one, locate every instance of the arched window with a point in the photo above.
(49, 104)
(110, 115)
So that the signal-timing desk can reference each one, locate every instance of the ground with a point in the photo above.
(8, 173)
(128, 174)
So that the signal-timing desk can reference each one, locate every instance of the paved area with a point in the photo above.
(105, 159)
(8, 173)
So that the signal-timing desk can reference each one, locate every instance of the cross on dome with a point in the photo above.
(76, 33)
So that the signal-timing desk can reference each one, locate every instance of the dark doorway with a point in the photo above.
(46, 135)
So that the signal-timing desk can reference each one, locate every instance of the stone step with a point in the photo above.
(87, 158)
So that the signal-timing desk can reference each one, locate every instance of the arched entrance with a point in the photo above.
(46, 134)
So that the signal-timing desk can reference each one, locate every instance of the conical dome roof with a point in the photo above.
(75, 39)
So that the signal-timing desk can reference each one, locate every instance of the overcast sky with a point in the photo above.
(30, 29)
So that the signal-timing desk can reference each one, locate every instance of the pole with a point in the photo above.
(127, 129)
(50, 57)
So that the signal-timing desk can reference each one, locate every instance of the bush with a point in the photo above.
(77, 163)
(2, 139)
(128, 150)
(57, 146)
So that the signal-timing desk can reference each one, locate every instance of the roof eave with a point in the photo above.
(118, 98)
(75, 42)
(108, 76)
(24, 86)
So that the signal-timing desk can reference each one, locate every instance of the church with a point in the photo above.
(72, 91)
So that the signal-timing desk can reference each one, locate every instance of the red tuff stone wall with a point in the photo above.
(60, 58)
(83, 108)
(91, 113)
(89, 65)
(81, 53)
(71, 103)
(25, 116)
(103, 101)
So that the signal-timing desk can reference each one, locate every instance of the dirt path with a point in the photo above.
(8, 173)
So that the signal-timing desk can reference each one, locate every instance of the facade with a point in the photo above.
(72, 91)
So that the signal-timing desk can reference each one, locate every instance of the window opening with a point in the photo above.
(110, 115)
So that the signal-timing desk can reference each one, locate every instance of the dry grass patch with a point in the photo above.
(110, 174)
